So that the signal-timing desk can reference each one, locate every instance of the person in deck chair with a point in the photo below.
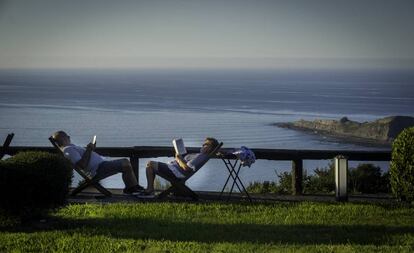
(97, 165)
(180, 167)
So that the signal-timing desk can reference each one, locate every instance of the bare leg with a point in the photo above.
(151, 166)
(128, 175)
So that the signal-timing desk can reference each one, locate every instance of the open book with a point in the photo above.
(179, 146)
(94, 140)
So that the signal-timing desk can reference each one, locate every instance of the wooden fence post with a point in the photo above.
(341, 178)
(297, 175)
(135, 165)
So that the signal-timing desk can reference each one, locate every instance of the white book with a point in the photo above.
(94, 140)
(179, 146)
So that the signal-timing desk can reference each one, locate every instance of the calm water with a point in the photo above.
(128, 108)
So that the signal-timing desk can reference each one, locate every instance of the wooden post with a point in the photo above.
(297, 174)
(135, 165)
(341, 178)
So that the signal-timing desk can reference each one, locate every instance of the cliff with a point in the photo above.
(381, 131)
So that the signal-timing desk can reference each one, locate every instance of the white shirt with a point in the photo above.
(74, 154)
(194, 161)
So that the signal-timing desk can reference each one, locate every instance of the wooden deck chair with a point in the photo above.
(178, 187)
(89, 181)
(6, 145)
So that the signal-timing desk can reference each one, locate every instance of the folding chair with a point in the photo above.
(178, 187)
(89, 181)
(6, 145)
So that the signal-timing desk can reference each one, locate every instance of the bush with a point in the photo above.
(283, 187)
(33, 182)
(265, 187)
(367, 178)
(323, 181)
(402, 165)
(285, 183)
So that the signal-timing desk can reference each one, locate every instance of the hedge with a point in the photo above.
(402, 165)
(32, 182)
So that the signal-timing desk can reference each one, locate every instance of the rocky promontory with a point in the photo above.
(381, 131)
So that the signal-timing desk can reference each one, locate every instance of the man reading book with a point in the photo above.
(181, 167)
(96, 165)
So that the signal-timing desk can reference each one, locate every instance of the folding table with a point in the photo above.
(233, 167)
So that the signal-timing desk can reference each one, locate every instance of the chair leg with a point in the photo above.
(184, 190)
(102, 189)
(92, 183)
(190, 193)
(180, 189)
(165, 193)
(80, 188)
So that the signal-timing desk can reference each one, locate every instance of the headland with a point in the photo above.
(382, 131)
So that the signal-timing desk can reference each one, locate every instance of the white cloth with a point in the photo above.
(245, 155)
(74, 154)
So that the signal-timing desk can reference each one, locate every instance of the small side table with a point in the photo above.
(233, 167)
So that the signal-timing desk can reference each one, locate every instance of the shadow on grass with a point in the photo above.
(158, 229)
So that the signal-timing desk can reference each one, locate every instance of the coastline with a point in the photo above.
(328, 136)
(380, 132)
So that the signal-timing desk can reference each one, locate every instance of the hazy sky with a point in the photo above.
(194, 33)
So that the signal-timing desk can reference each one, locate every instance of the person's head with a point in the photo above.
(209, 145)
(62, 139)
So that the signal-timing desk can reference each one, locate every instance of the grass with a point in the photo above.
(216, 227)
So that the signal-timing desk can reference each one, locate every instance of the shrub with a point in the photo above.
(33, 182)
(402, 165)
(323, 181)
(283, 187)
(367, 178)
(285, 183)
(259, 187)
(160, 184)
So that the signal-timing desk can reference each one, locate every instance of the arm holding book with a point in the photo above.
(84, 161)
(86, 157)
(183, 164)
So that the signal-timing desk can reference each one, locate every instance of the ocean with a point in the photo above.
(151, 107)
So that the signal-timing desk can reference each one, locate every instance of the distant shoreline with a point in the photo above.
(330, 137)
(380, 132)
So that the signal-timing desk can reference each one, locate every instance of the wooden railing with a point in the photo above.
(296, 156)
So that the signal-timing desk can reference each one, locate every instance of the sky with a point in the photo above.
(206, 34)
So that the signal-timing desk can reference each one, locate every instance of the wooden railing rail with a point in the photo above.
(266, 154)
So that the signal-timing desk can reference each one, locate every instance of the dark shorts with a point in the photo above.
(109, 168)
(163, 171)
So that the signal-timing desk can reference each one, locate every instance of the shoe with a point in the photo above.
(133, 190)
(146, 195)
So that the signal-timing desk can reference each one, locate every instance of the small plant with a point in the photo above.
(33, 182)
(285, 183)
(159, 185)
(402, 166)
(262, 188)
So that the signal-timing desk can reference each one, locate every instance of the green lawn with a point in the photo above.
(217, 227)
